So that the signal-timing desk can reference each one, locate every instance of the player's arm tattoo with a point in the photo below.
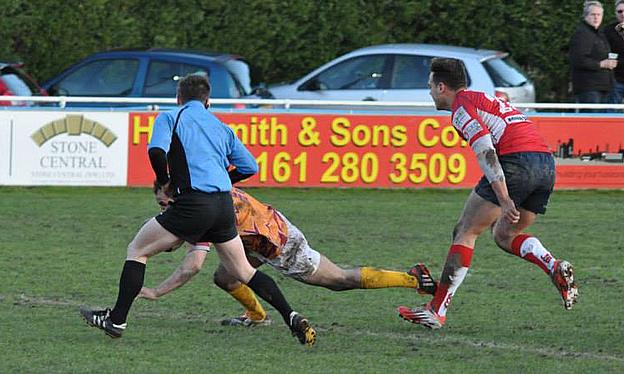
(488, 160)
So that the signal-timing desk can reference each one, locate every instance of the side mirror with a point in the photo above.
(57, 91)
(312, 85)
(262, 91)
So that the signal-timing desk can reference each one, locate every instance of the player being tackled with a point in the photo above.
(269, 238)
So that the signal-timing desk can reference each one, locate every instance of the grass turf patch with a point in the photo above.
(64, 247)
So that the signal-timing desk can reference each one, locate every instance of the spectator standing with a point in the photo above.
(592, 70)
(615, 35)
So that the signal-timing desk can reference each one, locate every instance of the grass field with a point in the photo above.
(64, 247)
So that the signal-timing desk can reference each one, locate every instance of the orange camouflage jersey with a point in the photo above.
(261, 228)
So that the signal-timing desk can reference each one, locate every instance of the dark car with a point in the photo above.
(150, 73)
(14, 81)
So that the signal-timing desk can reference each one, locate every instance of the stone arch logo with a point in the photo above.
(74, 125)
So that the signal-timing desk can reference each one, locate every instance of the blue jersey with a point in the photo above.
(200, 150)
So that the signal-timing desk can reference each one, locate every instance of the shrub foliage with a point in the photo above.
(285, 39)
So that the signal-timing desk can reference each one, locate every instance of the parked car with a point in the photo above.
(14, 81)
(400, 72)
(150, 73)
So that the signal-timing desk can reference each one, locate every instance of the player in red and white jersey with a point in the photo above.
(519, 176)
(510, 130)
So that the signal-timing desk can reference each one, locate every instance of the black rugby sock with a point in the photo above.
(266, 288)
(130, 284)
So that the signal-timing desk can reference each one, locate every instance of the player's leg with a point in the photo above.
(478, 215)
(512, 239)
(335, 278)
(531, 187)
(151, 239)
(232, 256)
(299, 261)
(254, 312)
(538, 179)
(330, 276)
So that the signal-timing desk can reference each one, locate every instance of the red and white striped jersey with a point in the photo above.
(476, 114)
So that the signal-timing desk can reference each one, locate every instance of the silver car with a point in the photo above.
(399, 72)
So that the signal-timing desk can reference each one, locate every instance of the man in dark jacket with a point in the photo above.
(592, 70)
(615, 34)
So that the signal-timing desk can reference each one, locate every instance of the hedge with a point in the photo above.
(286, 39)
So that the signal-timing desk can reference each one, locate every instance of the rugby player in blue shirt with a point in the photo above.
(190, 152)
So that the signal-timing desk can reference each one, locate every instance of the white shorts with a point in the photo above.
(297, 260)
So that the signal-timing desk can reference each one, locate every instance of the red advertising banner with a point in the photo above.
(334, 150)
(588, 150)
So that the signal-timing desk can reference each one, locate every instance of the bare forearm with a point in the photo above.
(491, 167)
(176, 280)
(190, 266)
(500, 189)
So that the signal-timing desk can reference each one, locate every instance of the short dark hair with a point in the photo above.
(193, 87)
(449, 71)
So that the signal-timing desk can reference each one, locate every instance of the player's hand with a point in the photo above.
(148, 294)
(510, 213)
(163, 195)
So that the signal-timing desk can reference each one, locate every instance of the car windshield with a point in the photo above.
(505, 72)
(108, 77)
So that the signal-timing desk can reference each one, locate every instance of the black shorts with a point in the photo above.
(530, 179)
(201, 217)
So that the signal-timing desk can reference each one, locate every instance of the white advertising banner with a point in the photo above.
(6, 133)
(63, 148)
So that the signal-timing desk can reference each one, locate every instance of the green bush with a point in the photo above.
(285, 39)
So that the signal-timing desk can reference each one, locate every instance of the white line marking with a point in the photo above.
(432, 339)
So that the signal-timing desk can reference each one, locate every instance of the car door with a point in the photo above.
(355, 79)
(106, 77)
(409, 78)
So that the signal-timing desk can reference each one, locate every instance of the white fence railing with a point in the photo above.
(152, 103)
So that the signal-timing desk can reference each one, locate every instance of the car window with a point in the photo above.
(163, 76)
(505, 72)
(111, 77)
(358, 73)
(410, 72)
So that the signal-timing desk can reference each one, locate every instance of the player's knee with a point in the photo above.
(218, 279)
(501, 237)
(342, 282)
(336, 285)
(134, 252)
(222, 279)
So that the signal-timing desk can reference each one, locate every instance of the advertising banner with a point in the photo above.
(588, 150)
(64, 148)
(334, 150)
